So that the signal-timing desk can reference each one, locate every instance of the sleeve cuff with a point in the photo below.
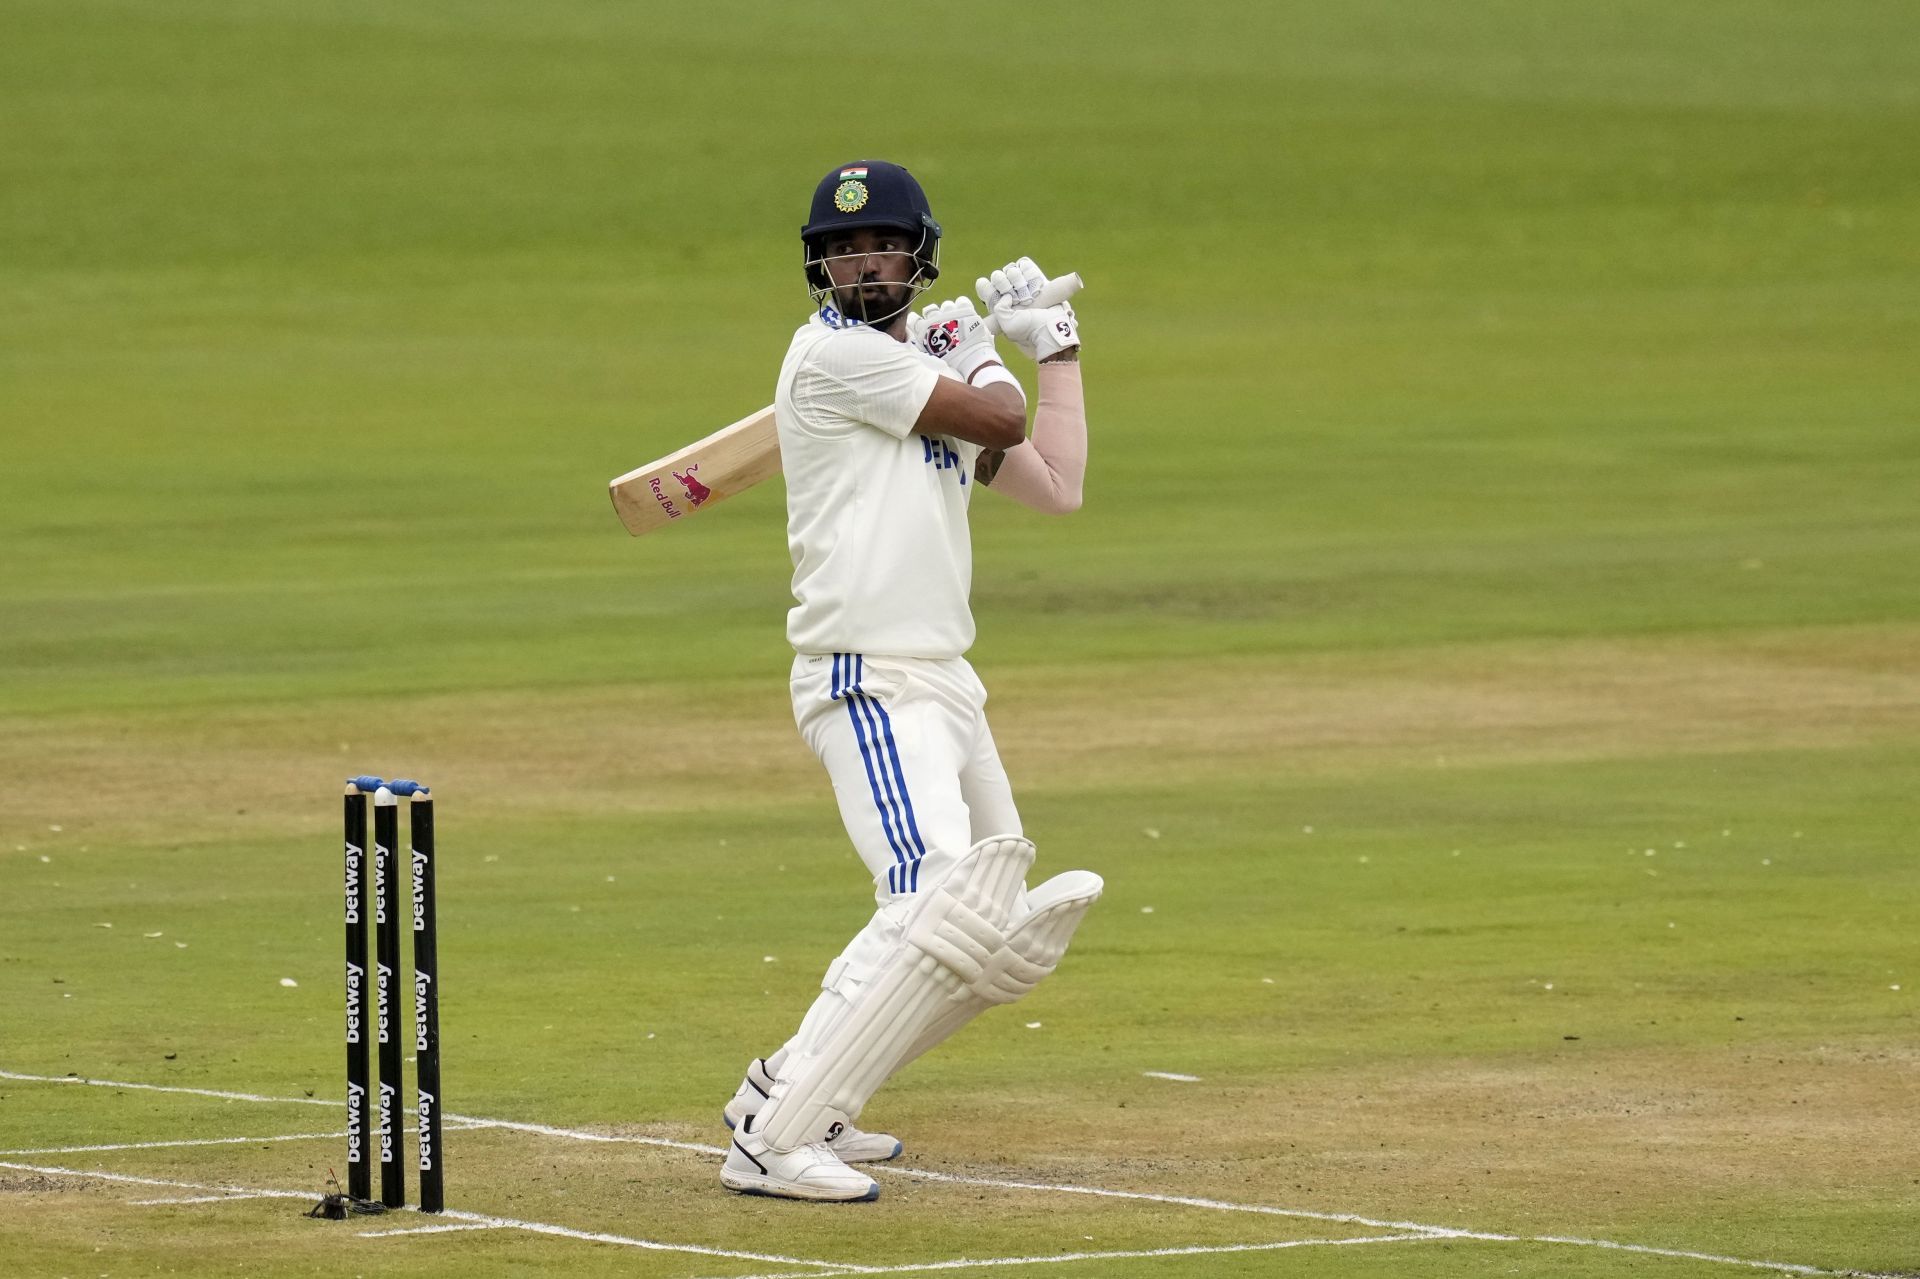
(993, 371)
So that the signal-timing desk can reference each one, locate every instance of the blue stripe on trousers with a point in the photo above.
(862, 707)
(873, 783)
(919, 845)
(877, 781)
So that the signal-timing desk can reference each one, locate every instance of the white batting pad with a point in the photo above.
(1047, 918)
(975, 940)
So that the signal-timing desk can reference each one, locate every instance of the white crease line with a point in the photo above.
(466, 1122)
(1783, 1267)
(204, 1199)
(211, 1141)
(1195, 1250)
(1184, 1201)
(477, 1219)
(576, 1134)
(598, 1236)
(166, 1145)
(1415, 1229)
(450, 1229)
(1216, 1205)
(250, 1192)
(197, 1092)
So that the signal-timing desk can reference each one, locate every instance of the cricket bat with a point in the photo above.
(731, 460)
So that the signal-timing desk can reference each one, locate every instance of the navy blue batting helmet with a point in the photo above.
(870, 193)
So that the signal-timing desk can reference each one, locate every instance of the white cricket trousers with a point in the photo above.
(919, 782)
(913, 764)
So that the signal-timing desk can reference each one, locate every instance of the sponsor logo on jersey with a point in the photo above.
(941, 457)
(850, 197)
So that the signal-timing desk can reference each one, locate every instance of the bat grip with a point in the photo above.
(1052, 293)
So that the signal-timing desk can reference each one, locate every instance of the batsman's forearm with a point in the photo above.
(1046, 473)
(1060, 428)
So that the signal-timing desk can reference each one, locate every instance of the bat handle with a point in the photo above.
(1053, 293)
(1059, 289)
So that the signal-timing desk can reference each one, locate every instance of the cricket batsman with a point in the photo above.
(889, 420)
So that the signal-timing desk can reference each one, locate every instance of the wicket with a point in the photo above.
(374, 1122)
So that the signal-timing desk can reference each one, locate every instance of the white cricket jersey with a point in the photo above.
(876, 513)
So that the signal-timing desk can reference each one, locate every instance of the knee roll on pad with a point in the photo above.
(1047, 919)
(975, 940)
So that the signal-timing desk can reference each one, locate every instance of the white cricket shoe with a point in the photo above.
(810, 1172)
(852, 1145)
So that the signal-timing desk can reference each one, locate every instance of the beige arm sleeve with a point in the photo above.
(1046, 472)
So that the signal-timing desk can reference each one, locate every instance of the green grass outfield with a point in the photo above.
(1487, 668)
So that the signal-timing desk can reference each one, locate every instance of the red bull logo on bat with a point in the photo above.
(696, 491)
(660, 496)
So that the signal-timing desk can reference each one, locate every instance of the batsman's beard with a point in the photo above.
(874, 302)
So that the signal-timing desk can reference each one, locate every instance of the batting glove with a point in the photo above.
(1037, 332)
(954, 332)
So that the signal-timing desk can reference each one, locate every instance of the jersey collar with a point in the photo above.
(831, 317)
